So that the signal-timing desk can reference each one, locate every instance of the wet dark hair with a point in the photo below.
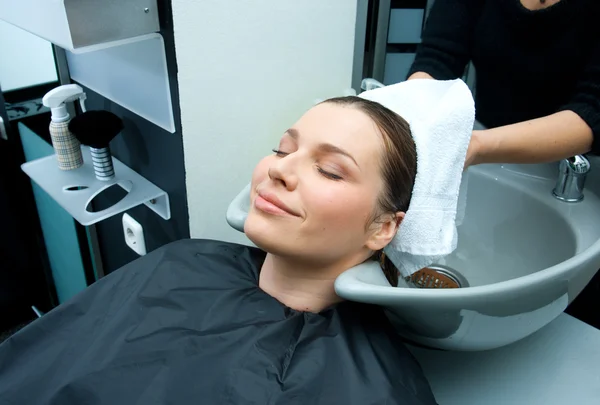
(398, 168)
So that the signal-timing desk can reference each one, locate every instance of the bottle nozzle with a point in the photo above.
(56, 98)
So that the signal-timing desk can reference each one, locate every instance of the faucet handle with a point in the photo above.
(578, 164)
(571, 178)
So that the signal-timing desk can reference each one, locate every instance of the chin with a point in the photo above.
(269, 234)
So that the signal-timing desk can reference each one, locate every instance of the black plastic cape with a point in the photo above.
(188, 324)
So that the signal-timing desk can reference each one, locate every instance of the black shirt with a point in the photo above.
(188, 324)
(528, 64)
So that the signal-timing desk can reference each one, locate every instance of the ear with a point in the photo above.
(385, 231)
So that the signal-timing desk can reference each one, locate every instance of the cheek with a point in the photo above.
(341, 207)
(261, 172)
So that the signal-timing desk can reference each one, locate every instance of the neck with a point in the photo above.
(300, 286)
(538, 4)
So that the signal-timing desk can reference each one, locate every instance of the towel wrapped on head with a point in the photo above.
(441, 115)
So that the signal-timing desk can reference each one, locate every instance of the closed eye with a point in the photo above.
(280, 153)
(329, 175)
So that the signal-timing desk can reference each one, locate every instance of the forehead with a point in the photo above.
(343, 126)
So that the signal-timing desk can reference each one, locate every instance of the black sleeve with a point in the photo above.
(586, 100)
(445, 49)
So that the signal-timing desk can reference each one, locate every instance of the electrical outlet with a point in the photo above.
(134, 235)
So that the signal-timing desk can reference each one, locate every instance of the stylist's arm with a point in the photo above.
(563, 134)
(444, 53)
(547, 139)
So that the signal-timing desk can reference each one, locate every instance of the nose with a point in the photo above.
(283, 171)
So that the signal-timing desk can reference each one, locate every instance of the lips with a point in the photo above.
(270, 203)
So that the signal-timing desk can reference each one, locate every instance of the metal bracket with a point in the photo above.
(75, 189)
(3, 133)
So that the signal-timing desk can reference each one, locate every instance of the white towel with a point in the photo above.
(441, 116)
(462, 198)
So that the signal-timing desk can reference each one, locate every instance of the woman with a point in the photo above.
(538, 73)
(216, 323)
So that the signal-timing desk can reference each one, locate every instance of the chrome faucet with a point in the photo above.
(571, 178)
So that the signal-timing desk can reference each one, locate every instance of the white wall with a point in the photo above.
(25, 59)
(247, 71)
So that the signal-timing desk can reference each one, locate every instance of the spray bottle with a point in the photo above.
(66, 145)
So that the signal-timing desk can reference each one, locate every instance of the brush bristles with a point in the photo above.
(96, 128)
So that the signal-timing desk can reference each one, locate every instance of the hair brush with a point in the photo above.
(96, 129)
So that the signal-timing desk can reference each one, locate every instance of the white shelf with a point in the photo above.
(83, 25)
(133, 75)
(56, 183)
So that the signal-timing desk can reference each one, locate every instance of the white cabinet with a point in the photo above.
(78, 25)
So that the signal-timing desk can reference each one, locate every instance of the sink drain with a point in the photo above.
(437, 276)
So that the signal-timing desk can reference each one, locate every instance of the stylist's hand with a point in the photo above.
(474, 150)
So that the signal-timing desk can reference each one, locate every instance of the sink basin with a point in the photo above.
(511, 230)
(524, 254)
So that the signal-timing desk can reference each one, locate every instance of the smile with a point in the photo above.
(272, 205)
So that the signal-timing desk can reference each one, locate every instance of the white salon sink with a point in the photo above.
(513, 227)
(525, 256)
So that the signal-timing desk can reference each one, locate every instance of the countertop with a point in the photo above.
(557, 365)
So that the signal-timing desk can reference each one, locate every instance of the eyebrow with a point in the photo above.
(325, 147)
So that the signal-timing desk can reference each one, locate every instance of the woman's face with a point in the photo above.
(313, 199)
